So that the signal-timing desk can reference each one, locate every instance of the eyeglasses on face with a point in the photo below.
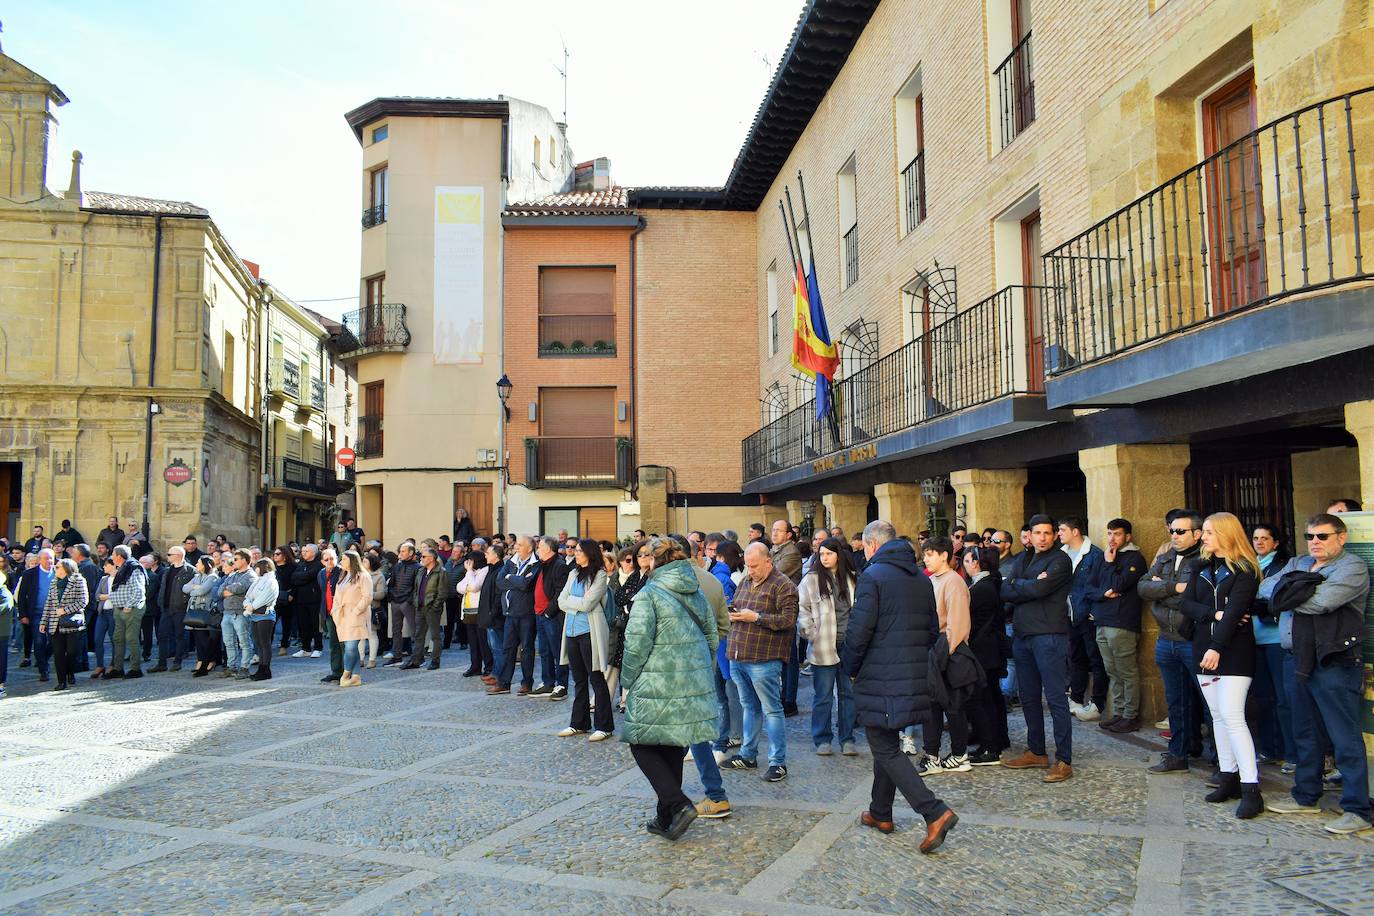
(1181, 531)
(996, 541)
(1320, 535)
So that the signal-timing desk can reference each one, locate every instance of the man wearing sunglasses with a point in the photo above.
(1163, 587)
(1326, 634)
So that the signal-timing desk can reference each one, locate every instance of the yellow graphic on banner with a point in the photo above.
(459, 208)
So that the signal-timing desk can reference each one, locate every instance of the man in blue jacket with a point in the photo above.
(1084, 656)
(1037, 588)
(892, 626)
(515, 590)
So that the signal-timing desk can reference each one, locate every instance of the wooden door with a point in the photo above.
(374, 403)
(476, 498)
(1234, 198)
(597, 523)
(1033, 277)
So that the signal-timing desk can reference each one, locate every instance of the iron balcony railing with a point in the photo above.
(851, 256)
(317, 393)
(291, 474)
(914, 191)
(1276, 212)
(578, 461)
(369, 444)
(374, 216)
(1016, 91)
(978, 355)
(375, 328)
(577, 335)
(284, 378)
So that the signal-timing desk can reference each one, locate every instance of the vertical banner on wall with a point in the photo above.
(458, 275)
(1361, 543)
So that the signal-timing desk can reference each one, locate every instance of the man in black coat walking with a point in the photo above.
(892, 626)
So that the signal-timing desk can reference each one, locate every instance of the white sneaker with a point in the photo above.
(598, 735)
(909, 746)
(1088, 712)
(721, 756)
(570, 731)
(952, 764)
(388, 656)
(300, 653)
(315, 654)
(928, 766)
(1162, 724)
(255, 660)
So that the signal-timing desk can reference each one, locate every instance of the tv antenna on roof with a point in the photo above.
(563, 72)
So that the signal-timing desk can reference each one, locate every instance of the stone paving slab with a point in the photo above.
(70, 779)
(1251, 880)
(361, 703)
(230, 734)
(41, 851)
(468, 894)
(1100, 794)
(545, 760)
(606, 838)
(230, 879)
(377, 746)
(498, 710)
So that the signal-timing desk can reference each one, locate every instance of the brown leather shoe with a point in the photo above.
(936, 830)
(522, 691)
(489, 680)
(868, 820)
(1027, 761)
(496, 689)
(1059, 772)
(1125, 726)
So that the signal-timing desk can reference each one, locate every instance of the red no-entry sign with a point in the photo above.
(346, 456)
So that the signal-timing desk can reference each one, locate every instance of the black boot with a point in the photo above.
(1228, 787)
(1251, 801)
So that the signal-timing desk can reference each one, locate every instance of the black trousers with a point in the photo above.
(207, 645)
(1085, 659)
(479, 649)
(452, 611)
(263, 631)
(308, 625)
(662, 766)
(580, 660)
(987, 714)
(892, 771)
(285, 613)
(934, 726)
(29, 629)
(148, 626)
(64, 649)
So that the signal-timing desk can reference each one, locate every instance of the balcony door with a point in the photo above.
(374, 327)
(1033, 277)
(577, 436)
(1234, 200)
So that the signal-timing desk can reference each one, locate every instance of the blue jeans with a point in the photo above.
(238, 641)
(829, 680)
(1041, 667)
(104, 629)
(1329, 701)
(1008, 683)
(1175, 663)
(731, 711)
(42, 650)
(350, 656)
(497, 648)
(1276, 719)
(760, 694)
(708, 771)
(550, 647)
(4, 657)
(519, 632)
(171, 637)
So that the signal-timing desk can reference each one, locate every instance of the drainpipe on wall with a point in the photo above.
(264, 455)
(152, 367)
(501, 475)
(634, 336)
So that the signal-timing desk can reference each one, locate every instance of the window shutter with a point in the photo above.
(577, 412)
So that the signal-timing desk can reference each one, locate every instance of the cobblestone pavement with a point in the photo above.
(416, 793)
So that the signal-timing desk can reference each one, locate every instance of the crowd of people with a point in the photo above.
(692, 646)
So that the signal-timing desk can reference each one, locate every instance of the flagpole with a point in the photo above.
(790, 252)
(811, 253)
(787, 192)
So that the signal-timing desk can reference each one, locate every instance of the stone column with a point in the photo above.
(653, 499)
(1138, 483)
(848, 510)
(1359, 422)
(794, 512)
(902, 505)
(771, 513)
(993, 499)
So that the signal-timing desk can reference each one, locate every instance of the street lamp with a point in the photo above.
(933, 490)
(503, 389)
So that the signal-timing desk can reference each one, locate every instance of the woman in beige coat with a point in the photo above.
(352, 614)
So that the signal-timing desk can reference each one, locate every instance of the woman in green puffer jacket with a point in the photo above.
(669, 681)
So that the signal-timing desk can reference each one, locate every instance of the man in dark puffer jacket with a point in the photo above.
(892, 626)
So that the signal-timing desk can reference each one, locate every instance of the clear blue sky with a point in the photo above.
(240, 108)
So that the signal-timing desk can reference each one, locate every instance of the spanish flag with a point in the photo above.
(813, 353)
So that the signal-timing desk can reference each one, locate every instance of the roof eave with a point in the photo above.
(383, 107)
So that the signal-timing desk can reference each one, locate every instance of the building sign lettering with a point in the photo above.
(846, 457)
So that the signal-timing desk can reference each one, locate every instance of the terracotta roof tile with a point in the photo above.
(100, 200)
(574, 203)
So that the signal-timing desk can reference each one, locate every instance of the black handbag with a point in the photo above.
(72, 623)
(202, 618)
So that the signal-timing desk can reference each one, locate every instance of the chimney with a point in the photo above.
(601, 174)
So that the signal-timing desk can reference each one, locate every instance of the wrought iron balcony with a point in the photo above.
(284, 378)
(369, 443)
(914, 186)
(578, 461)
(851, 256)
(374, 216)
(1275, 213)
(290, 474)
(317, 394)
(374, 329)
(577, 335)
(1015, 91)
(976, 356)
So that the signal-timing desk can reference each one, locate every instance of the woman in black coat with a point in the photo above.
(987, 708)
(285, 564)
(490, 620)
(1218, 600)
(624, 581)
